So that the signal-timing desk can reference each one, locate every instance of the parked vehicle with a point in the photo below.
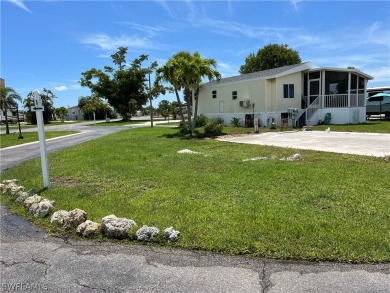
(378, 101)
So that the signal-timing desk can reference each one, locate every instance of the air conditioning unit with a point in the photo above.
(248, 103)
(242, 103)
(292, 116)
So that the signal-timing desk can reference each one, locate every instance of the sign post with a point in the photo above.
(38, 108)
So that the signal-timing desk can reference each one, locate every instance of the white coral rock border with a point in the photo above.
(112, 227)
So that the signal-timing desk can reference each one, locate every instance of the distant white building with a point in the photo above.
(2, 116)
(75, 113)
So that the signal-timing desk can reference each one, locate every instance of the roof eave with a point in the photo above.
(352, 70)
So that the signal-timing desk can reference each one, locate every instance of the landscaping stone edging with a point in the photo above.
(111, 227)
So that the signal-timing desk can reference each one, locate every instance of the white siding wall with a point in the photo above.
(283, 104)
(250, 90)
(266, 94)
(341, 115)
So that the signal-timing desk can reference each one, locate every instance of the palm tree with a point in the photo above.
(8, 99)
(185, 71)
(170, 73)
(203, 67)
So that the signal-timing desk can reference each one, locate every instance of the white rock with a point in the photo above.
(172, 233)
(32, 199)
(187, 151)
(74, 218)
(147, 233)
(58, 216)
(297, 156)
(117, 228)
(42, 208)
(14, 190)
(22, 196)
(88, 228)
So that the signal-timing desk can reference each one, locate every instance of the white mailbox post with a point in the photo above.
(38, 108)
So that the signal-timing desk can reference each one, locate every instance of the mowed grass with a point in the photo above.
(324, 207)
(7, 140)
(377, 126)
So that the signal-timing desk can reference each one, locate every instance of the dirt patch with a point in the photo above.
(66, 181)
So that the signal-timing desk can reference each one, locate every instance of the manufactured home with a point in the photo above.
(300, 94)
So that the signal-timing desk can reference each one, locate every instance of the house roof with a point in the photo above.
(265, 74)
(352, 70)
(281, 71)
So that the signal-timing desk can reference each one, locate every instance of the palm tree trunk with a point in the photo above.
(196, 109)
(187, 94)
(6, 120)
(180, 108)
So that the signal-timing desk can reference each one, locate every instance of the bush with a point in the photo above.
(235, 122)
(201, 120)
(213, 128)
(220, 120)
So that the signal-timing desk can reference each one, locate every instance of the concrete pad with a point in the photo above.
(366, 144)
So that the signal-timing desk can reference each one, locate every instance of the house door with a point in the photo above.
(314, 90)
(221, 107)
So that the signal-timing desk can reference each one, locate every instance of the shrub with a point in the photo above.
(220, 120)
(213, 128)
(235, 122)
(201, 120)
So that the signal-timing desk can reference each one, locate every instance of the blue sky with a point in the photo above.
(47, 44)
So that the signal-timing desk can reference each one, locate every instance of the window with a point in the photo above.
(234, 95)
(214, 93)
(288, 91)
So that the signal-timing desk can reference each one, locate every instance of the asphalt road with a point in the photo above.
(33, 261)
(15, 155)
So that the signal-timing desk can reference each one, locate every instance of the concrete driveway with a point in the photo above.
(366, 144)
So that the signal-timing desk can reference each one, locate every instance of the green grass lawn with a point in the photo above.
(377, 126)
(323, 207)
(7, 140)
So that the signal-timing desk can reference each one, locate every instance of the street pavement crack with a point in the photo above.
(4, 263)
(266, 284)
(78, 282)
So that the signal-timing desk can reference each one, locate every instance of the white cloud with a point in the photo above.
(20, 4)
(61, 88)
(106, 42)
(165, 6)
(150, 31)
(227, 69)
(380, 74)
(294, 3)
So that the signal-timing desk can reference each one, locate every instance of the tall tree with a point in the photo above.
(170, 73)
(164, 108)
(47, 98)
(61, 112)
(8, 99)
(118, 86)
(269, 57)
(186, 71)
(93, 104)
(201, 68)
